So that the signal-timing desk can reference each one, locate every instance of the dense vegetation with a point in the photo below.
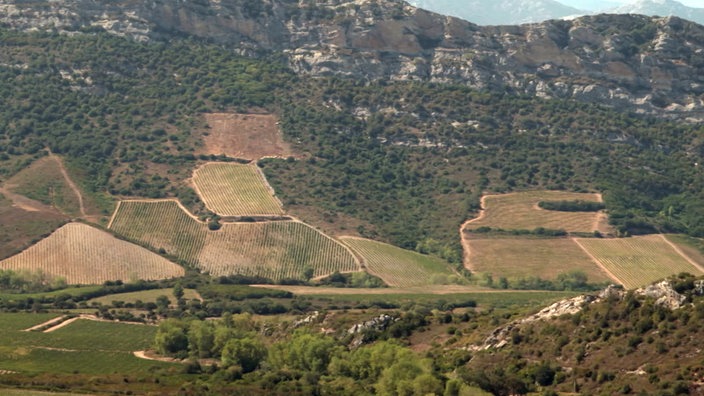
(408, 161)
(572, 206)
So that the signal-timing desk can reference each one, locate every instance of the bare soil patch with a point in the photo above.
(248, 136)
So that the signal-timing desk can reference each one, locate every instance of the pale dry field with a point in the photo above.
(520, 210)
(398, 267)
(82, 254)
(640, 260)
(230, 189)
(531, 257)
(248, 136)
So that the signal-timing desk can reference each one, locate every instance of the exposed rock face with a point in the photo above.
(651, 65)
(664, 295)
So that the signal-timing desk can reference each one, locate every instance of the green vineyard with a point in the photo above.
(275, 250)
(399, 267)
(638, 261)
(235, 190)
(82, 254)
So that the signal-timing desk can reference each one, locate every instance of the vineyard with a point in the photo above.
(529, 257)
(82, 254)
(276, 250)
(638, 261)
(235, 190)
(521, 211)
(399, 267)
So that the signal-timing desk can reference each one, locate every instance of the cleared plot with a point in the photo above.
(250, 136)
(692, 247)
(529, 257)
(235, 190)
(276, 250)
(399, 267)
(520, 211)
(82, 254)
(638, 261)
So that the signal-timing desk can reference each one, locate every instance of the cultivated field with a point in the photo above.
(84, 346)
(520, 211)
(638, 261)
(82, 254)
(235, 190)
(277, 249)
(530, 257)
(249, 136)
(399, 267)
(145, 296)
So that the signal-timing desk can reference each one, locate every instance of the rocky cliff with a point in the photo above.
(649, 65)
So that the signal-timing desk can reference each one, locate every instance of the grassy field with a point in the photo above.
(528, 257)
(235, 190)
(276, 250)
(520, 211)
(44, 182)
(82, 254)
(145, 296)
(638, 261)
(399, 267)
(84, 346)
(690, 246)
(486, 298)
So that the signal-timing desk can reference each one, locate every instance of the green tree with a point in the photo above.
(246, 352)
(171, 338)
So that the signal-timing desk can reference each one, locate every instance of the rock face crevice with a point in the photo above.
(636, 63)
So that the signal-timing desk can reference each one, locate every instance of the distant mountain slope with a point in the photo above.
(633, 63)
(662, 8)
(499, 12)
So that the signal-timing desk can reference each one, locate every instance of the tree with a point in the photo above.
(171, 338)
(178, 290)
(201, 338)
(246, 352)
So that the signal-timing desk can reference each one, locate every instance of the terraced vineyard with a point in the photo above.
(640, 260)
(399, 267)
(82, 254)
(235, 190)
(529, 257)
(276, 250)
(520, 211)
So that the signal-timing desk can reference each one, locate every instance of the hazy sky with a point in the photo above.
(690, 3)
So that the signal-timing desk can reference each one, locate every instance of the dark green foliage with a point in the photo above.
(572, 206)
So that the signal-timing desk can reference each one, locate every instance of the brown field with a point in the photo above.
(638, 261)
(520, 210)
(235, 190)
(82, 254)
(527, 257)
(427, 289)
(249, 136)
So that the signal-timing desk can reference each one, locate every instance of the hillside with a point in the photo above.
(630, 62)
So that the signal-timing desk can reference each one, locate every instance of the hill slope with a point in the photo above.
(632, 62)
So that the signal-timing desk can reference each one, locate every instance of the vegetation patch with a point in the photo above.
(402, 268)
(230, 189)
(514, 258)
(638, 261)
(81, 254)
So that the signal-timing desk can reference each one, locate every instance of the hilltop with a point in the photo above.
(631, 62)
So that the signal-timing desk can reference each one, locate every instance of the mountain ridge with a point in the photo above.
(634, 63)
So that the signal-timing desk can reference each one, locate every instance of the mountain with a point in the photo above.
(662, 8)
(634, 63)
(504, 12)
(591, 5)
